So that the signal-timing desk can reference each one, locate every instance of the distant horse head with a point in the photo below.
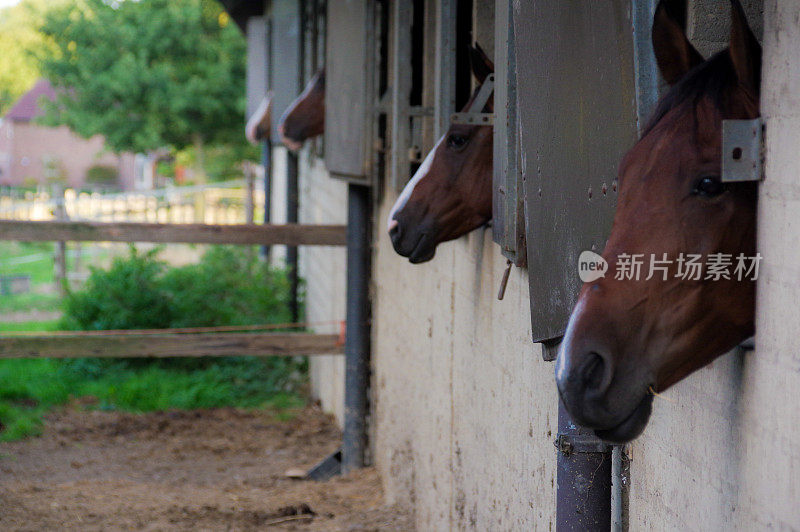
(257, 128)
(305, 117)
(628, 338)
(451, 192)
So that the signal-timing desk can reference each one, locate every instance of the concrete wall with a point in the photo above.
(324, 201)
(465, 408)
(722, 450)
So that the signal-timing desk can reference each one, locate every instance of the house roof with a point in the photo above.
(27, 107)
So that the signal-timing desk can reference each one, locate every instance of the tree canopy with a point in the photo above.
(146, 74)
(19, 39)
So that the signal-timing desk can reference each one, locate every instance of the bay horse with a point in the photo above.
(628, 339)
(451, 192)
(305, 117)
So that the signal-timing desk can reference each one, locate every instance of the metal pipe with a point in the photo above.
(292, 218)
(266, 160)
(584, 478)
(357, 340)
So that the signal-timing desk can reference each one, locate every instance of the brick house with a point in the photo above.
(32, 154)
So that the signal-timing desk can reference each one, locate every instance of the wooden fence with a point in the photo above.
(225, 203)
(288, 234)
(169, 344)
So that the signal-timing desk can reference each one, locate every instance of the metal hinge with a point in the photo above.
(742, 150)
(478, 118)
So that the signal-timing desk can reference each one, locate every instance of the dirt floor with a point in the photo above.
(201, 470)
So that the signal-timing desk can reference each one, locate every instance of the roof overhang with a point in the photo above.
(241, 10)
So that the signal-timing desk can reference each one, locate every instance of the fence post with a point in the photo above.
(60, 212)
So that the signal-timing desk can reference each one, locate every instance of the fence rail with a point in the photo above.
(288, 234)
(170, 345)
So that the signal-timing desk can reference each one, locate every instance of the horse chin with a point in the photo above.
(416, 258)
(632, 426)
(422, 252)
(292, 145)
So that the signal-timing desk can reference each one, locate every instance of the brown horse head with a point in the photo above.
(627, 338)
(305, 117)
(451, 192)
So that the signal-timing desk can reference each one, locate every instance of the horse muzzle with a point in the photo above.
(599, 391)
(418, 246)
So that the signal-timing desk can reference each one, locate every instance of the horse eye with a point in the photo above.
(708, 187)
(457, 142)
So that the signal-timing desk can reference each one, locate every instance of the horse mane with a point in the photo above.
(712, 79)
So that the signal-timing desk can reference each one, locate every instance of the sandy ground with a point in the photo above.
(201, 470)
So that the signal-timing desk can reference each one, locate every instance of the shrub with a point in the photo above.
(101, 174)
(227, 287)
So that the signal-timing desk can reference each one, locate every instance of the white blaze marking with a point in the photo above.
(421, 172)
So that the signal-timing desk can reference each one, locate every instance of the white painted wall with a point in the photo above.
(465, 408)
(722, 450)
(323, 200)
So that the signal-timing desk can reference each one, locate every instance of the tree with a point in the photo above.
(147, 74)
(19, 39)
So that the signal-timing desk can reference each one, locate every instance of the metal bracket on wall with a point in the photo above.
(742, 150)
(478, 118)
(577, 443)
(550, 349)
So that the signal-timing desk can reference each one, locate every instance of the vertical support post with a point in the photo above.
(266, 160)
(445, 84)
(620, 473)
(292, 218)
(401, 92)
(584, 478)
(249, 192)
(357, 340)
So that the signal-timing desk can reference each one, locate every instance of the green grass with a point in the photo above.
(30, 301)
(31, 388)
(41, 272)
(31, 326)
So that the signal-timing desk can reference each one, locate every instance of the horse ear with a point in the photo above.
(675, 55)
(480, 63)
(745, 50)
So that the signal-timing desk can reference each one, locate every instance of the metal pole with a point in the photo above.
(266, 159)
(292, 218)
(357, 340)
(584, 478)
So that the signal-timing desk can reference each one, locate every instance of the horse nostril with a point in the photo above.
(394, 227)
(594, 372)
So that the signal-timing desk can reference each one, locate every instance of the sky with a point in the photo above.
(6, 3)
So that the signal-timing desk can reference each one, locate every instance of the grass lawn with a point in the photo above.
(30, 388)
(32, 326)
